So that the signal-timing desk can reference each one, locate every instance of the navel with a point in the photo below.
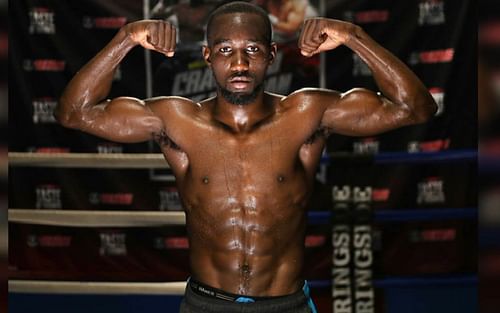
(281, 178)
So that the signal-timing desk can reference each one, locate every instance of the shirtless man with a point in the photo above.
(245, 160)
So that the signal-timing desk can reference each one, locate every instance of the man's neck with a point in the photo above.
(242, 118)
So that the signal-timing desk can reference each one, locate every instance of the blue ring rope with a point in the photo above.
(463, 155)
(416, 281)
(401, 215)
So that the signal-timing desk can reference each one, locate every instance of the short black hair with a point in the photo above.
(241, 7)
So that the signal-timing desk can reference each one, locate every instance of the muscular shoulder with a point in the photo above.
(171, 103)
(310, 99)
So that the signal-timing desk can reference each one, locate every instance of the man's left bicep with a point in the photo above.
(361, 112)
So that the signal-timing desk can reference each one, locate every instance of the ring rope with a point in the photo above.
(177, 288)
(157, 160)
(109, 288)
(87, 218)
(89, 160)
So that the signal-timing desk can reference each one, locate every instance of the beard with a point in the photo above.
(239, 98)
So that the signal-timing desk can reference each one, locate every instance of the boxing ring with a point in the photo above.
(153, 294)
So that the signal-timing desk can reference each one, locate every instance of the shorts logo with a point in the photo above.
(112, 244)
(431, 12)
(170, 200)
(41, 21)
(431, 191)
(43, 110)
(48, 197)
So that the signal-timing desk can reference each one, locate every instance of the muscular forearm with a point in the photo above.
(93, 82)
(394, 79)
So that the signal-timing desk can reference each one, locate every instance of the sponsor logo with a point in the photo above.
(431, 191)
(43, 110)
(366, 146)
(375, 16)
(380, 194)
(438, 95)
(365, 17)
(432, 56)
(170, 199)
(313, 241)
(41, 21)
(44, 65)
(111, 198)
(341, 272)
(104, 22)
(428, 146)
(431, 12)
(48, 197)
(341, 241)
(433, 235)
(162, 243)
(112, 244)
(363, 259)
(359, 67)
(109, 147)
(48, 149)
(49, 241)
(362, 248)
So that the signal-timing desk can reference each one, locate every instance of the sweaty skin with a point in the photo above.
(245, 172)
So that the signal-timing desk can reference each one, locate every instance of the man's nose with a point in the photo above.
(239, 61)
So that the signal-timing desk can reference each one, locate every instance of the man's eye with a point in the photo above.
(225, 49)
(252, 49)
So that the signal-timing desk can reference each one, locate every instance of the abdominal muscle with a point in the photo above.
(251, 244)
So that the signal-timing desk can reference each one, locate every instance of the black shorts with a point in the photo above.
(200, 298)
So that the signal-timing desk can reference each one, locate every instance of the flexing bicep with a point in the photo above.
(122, 119)
(361, 112)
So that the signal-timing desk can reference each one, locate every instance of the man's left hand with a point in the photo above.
(322, 34)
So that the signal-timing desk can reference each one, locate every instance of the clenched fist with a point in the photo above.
(322, 34)
(154, 35)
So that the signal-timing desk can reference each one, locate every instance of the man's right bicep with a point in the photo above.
(123, 119)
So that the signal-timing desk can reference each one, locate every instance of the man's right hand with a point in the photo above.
(154, 35)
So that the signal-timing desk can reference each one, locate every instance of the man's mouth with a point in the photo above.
(240, 82)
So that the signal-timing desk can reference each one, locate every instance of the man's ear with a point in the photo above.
(272, 52)
(205, 50)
